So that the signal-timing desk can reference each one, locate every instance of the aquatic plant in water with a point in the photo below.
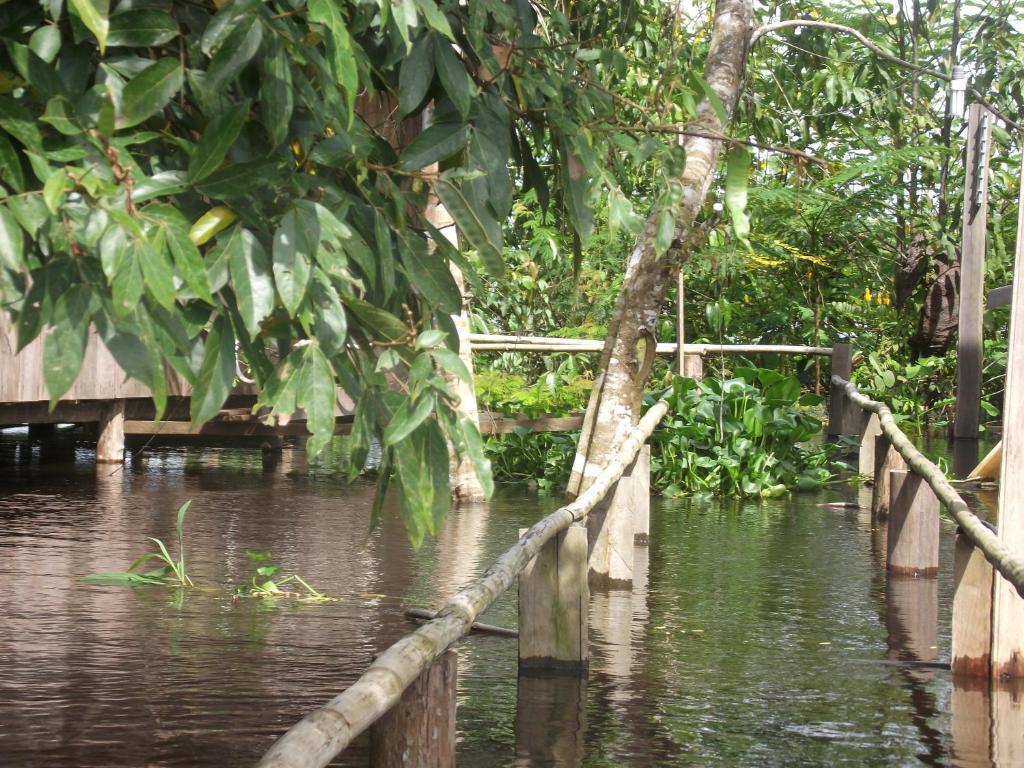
(264, 585)
(743, 436)
(171, 573)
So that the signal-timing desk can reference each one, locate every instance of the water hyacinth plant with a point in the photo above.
(743, 436)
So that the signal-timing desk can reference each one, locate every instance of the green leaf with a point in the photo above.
(12, 242)
(415, 76)
(439, 142)
(454, 77)
(330, 325)
(471, 227)
(20, 124)
(126, 287)
(61, 115)
(407, 418)
(182, 511)
(186, 255)
(56, 186)
(421, 461)
(149, 91)
(45, 42)
(216, 140)
(162, 184)
(237, 180)
(665, 231)
(156, 273)
(295, 244)
(235, 53)
(577, 184)
(94, 16)
(10, 165)
(452, 363)
(343, 60)
(429, 338)
(737, 168)
(429, 274)
(141, 28)
(381, 323)
(477, 455)
(64, 347)
(435, 19)
(276, 93)
(316, 394)
(217, 373)
(251, 278)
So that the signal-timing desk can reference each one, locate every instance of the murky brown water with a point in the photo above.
(761, 634)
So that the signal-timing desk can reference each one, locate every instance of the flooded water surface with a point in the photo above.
(756, 633)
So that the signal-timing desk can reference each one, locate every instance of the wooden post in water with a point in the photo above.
(1007, 605)
(972, 611)
(640, 476)
(553, 600)
(110, 443)
(419, 731)
(972, 275)
(866, 456)
(913, 548)
(842, 365)
(693, 367)
(887, 459)
(612, 525)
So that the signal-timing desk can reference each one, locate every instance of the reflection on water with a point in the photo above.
(755, 634)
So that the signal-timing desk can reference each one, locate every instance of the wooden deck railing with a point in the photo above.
(322, 734)
(908, 491)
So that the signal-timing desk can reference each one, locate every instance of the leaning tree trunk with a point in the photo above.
(630, 345)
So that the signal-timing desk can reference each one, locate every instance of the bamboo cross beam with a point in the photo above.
(317, 738)
(980, 535)
(490, 342)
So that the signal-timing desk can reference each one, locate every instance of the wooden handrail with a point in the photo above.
(980, 535)
(492, 342)
(317, 738)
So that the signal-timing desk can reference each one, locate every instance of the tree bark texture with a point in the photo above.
(630, 345)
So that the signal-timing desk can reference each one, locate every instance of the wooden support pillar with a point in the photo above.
(969, 345)
(693, 366)
(640, 475)
(1007, 605)
(553, 600)
(110, 443)
(866, 456)
(612, 527)
(842, 365)
(886, 458)
(913, 547)
(972, 611)
(419, 731)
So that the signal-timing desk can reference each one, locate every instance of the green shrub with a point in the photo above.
(743, 436)
(509, 394)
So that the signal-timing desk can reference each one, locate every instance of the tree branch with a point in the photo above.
(881, 53)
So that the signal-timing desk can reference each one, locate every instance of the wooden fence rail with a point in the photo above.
(978, 533)
(491, 342)
(317, 738)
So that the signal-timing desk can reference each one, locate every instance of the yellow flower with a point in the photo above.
(867, 294)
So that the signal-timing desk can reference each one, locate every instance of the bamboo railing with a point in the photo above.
(322, 734)
(490, 342)
(980, 535)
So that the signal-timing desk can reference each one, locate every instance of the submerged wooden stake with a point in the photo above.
(913, 548)
(866, 457)
(640, 474)
(553, 601)
(419, 731)
(972, 611)
(887, 458)
(842, 366)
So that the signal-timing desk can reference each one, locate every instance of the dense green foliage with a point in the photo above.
(744, 436)
(750, 435)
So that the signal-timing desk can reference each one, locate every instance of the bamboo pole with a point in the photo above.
(494, 343)
(981, 536)
(322, 734)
